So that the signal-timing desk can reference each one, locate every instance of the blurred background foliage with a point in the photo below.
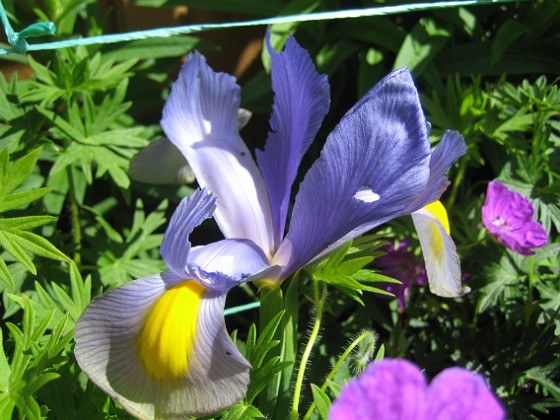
(73, 223)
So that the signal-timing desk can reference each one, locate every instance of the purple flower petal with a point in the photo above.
(397, 390)
(176, 246)
(109, 350)
(509, 217)
(450, 148)
(224, 264)
(400, 263)
(386, 390)
(374, 164)
(457, 393)
(200, 118)
(301, 100)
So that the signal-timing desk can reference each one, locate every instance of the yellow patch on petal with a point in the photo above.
(169, 332)
(437, 210)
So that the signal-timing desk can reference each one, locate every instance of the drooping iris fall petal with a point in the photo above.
(440, 254)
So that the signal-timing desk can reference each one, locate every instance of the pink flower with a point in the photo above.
(509, 217)
(397, 390)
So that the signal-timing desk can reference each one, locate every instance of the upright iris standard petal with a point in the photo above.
(200, 118)
(373, 165)
(301, 101)
(160, 348)
(440, 255)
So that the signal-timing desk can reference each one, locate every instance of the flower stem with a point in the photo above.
(336, 366)
(74, 210)
(319, 300)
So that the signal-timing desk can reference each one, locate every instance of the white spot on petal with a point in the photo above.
(367, 195)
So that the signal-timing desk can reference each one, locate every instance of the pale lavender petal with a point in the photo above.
(509, 216)
(224, 264)
(457, 393)
(192, 210)
(387, 390)
(200, 118)
(301, 100)
(379, 150)
(107, 350)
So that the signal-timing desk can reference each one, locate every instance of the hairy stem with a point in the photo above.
(74, 210)
(319, 299)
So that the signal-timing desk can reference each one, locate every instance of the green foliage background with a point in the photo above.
(73, 224)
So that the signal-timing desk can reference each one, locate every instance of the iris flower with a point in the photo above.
(158, 345)
(509, 217)
(397, 390)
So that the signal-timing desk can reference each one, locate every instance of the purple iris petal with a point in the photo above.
(373, 165)
(224, 264)
(450, 148)
(301, 100)
(176, 247)
(509, 217)
(397, 390)
(200, 118)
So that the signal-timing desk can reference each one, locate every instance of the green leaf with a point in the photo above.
(152, 48)
(5, 370)
(242, 411)
(5, 274)
(421, 45)
(506, 35)
(322, 401)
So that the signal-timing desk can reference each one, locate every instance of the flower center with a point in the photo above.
(168, 336)
(501, 223)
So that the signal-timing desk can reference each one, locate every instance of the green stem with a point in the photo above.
(76, 229)
(456, 183)
(319, 304)
(335, 368)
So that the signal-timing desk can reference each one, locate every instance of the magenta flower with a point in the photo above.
(400, 263)
(397, 390)
(509, 217)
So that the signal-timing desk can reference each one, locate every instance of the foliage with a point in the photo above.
(73, 224)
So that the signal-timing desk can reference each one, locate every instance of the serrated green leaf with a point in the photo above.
(39, 246)
(5, 274)
(242, 411)
(15, 200)
(5, 370)
(18, 172)
(350, 266)
(322, 401)
(338, 280)
(24, 223)
(8, 242)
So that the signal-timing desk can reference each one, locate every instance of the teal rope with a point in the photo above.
(18, 39)
(241, 308)
(19, 45)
